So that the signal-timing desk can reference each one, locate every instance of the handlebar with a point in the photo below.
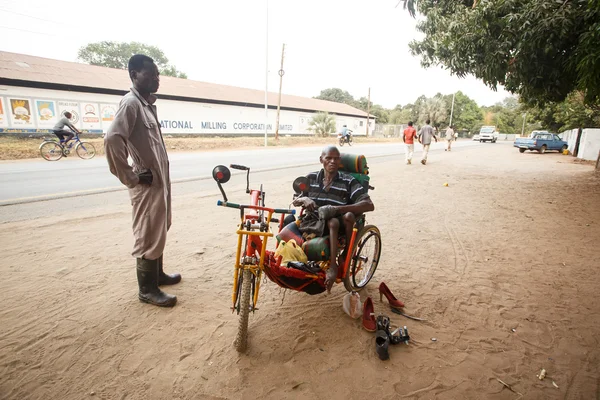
(240, 167)
(274, 210)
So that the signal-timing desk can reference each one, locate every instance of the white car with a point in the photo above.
(476, 137)
(488, 134)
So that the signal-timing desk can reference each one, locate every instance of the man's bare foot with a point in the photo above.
(331, 276)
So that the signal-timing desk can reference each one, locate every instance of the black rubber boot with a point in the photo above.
(147, 275)
(166, 279)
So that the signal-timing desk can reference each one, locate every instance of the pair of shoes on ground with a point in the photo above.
(383, 337)
(369, 322)
(382, 323)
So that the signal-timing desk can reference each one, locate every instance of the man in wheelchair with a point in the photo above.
(346, 197)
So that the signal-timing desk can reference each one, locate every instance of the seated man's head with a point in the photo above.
(68, 115)
(330, 158)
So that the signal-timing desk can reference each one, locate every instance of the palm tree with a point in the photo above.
(322, 124)
(433, 109)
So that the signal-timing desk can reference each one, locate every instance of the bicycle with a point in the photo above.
(53, 150)
(253, 259)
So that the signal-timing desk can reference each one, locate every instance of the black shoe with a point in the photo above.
(166, 279)
(147, 275)
(382, 343)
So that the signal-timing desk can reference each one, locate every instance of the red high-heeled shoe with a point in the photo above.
(368, 318)
(385, 291)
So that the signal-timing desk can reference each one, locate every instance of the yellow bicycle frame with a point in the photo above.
(255, 269)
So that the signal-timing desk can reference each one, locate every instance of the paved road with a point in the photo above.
(29, 181)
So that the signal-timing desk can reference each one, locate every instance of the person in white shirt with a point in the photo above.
(450, 137)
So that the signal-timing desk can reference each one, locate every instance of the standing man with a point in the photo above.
(450, 137)
(425, 135)
(135, 132)
(408, 138)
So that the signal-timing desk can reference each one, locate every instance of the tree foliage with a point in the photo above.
(117, 55)
(571, 113)
(336, 95)
(322, 124)
(540, 50)
(434, 109)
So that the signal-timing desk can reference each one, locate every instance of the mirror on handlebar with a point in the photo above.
(221, 174)
(300, 185)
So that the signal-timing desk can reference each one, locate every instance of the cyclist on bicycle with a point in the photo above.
(60, 131)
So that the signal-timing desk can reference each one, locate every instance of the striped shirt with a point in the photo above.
(343, 190)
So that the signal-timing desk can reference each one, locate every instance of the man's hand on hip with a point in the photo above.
(146, 177)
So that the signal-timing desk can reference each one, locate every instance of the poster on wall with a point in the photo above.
(90, 118)
(107, 113)
(3, 116)
(73, 108)
(46, 113)
(21, 112)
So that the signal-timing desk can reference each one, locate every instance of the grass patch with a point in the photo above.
(15, 148)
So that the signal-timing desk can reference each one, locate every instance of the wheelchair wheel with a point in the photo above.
(241, 340)
(365, 257)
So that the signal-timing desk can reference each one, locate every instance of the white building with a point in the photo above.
(35, 91)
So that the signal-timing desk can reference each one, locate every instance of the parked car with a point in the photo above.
(541, 142)
(476, 137)
(488, 134)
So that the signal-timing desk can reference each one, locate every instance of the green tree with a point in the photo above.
(540, 50)
(322, 124)
(466, 114)
(399, 116)
(571, 113)
(337, 95)
(117, 54)
(433, 109)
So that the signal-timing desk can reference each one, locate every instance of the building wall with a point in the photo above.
(590, 144)
(27, 110)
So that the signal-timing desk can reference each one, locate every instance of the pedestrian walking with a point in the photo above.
(425, 135)
(135, 132)
(408, 138)
(450, 137)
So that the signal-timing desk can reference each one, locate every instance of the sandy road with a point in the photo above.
(502, 263)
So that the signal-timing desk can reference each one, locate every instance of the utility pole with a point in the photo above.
(452, 109)
(281, 73)
(368, 111)
(523, 128)
(267, 74)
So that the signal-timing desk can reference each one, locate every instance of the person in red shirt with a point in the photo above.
(408, 138)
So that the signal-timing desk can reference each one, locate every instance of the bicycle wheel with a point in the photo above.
(366, 253)
(51, 151)
(349, 141)
(241, 340)
(85, 150)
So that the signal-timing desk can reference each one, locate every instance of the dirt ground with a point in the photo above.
(502, 263)
(15, 148)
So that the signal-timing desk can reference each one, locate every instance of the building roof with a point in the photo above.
(16, 69)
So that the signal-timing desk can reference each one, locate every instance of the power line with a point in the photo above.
(28, 16)
(25, 30)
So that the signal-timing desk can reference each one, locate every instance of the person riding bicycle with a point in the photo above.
(346, 198)
(60, 132)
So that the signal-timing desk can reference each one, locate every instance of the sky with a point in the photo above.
(353, 45)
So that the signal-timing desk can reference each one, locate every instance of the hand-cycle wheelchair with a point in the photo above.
(252, 258)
